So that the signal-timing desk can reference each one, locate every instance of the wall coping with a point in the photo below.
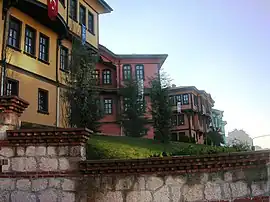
(180, 164)
(48, 137)
(9, 104)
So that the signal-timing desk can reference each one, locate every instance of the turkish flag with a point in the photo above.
(52, 9)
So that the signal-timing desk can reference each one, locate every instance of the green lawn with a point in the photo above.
(108, 147)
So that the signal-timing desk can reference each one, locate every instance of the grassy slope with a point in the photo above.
(108, 147)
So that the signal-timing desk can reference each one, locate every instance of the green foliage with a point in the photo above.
(133, 116)
(82, 96)
(214, 138)
(122, 147)
(160, 107)
(240, 146)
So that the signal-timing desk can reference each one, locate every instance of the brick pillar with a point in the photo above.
(11, 108)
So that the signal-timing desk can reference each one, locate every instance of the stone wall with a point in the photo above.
(221, 186)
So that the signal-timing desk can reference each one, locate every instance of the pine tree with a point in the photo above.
(160, 107)
(133, 115)
(82, 95)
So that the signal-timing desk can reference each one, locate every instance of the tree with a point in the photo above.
(214, 137)
(239, 136)
(133, 116)
(82, 95)
(160, 106)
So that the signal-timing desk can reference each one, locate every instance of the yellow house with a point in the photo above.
(34, 50)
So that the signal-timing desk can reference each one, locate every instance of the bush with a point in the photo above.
(108, 147)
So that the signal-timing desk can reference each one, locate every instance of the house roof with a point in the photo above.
(106, 6)
(162, 57)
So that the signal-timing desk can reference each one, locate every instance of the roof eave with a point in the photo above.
(106, 6)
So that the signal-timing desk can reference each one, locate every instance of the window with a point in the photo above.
(107, 106)
(126, 103)
(12, 87)
(30, 40)
(91, 22)
(139, 72)
(96, 76)
(82, 15)
(174, 137)
(185, 99)
(43, 47)
(107, 77)
(14, 32)
(43, 101)
(195, 100)
(126, 72)
(64, 58)
(141, 103)
(73, 9)
(178, 119)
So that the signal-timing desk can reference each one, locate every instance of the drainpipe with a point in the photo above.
(118, 86)
(3, 54)
(57, 83)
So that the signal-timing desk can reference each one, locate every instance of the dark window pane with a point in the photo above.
(12, 87)
(14, 32)
(139, 72)
(185, 99)
(107, 77)
(42, 100)
(64, 58)
(30, 40)
(91, 22)
(126, 72)
(108, 106)
(82, 15)
(73, 9)
(43, 47)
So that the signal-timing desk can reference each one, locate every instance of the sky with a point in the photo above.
(220, 46)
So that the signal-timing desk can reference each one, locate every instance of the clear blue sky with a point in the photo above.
(221, 46)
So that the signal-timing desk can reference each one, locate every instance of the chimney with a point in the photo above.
(11, 108)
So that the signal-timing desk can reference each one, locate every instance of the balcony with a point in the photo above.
(37, 9)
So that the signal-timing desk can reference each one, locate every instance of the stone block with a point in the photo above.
(68, 185)
(6, 152)
(23, 184)
(124, 183)
(4, 196)
(63, 151)
(68, 197)
(239, 189)
(153, 183)
(40, 151)
(48, 164)
(111, 196)
(204, 177)
(20, 151)
(21, 196)
(258, 188)
(175, 193)
(228, 176)
(30, 151)
(193, 192)
(39, 184)
(177, 180)
(51, 151)
(140, 184)
(21, 164)
(64, 163)
(212, 191)
(54, 183)
(106, 183)
(226, 190)
(49, 195)
(162, 195)
(139, 196)
(78, 151)
(30, 164)
(7, 184)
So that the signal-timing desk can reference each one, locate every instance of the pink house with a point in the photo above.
(111, 71)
